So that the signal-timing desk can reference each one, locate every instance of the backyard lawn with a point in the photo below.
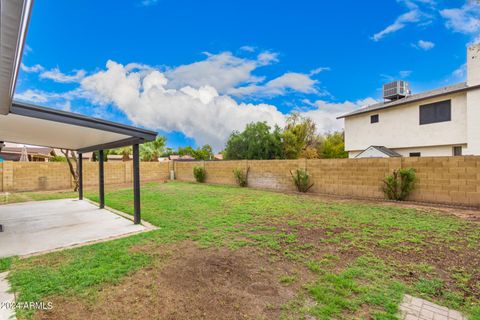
(235, 253)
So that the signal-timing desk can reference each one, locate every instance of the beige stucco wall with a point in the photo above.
(399, 127)
(473, 122)
(435, 151)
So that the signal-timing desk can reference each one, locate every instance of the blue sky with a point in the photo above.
(196, 70)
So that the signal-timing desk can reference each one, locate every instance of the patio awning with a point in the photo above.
(30, 124)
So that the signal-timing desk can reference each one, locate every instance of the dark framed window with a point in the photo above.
(457, 151)
(436, 112)
(374, 118)
(415, 154)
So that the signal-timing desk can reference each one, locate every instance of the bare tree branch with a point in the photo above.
(73, 170)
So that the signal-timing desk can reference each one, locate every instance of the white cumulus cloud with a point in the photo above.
(223, 71)
(200, 113)
(197, 98)
(288, 82)
(325, 113)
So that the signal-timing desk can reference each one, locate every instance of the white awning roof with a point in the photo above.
(29, 124)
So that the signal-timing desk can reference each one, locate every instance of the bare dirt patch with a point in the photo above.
(194, 283)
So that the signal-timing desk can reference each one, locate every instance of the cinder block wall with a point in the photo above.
(450, 180)
(447, 180)
(351, 177)
(33, 176)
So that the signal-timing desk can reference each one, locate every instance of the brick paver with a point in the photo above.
(413, 308)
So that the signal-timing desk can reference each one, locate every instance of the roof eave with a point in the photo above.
(409, 101)
(14, 20)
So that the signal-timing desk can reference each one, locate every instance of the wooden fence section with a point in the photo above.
(451, 180)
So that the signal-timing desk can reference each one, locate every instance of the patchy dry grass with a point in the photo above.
(301, 255)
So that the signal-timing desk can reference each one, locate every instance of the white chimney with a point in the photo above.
(473, 65)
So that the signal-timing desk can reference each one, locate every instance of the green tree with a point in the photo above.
(257, 141)
(203, 153)
(125, 152)
(300, 138)
(152, 150)
(334, 146)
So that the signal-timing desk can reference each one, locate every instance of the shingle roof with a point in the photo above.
(462, 86)
(387, 151)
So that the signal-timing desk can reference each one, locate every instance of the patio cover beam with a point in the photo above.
(101, 180)
(136, 184)
(112, 145)
(80, 176)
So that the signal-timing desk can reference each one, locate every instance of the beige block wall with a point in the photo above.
(221, 172)
(184, 170)
(350, 177)
(449, 180)
(27, 176)
(151, 171)
(31, 176)
(272, 174)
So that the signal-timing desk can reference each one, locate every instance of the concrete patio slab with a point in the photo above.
(413, 308)
(6, 298)
(40, 226)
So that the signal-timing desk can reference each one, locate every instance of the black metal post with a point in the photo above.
(80, 177)
(136, 184)
(101, 180)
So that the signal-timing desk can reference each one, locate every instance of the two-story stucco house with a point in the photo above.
(441, 122)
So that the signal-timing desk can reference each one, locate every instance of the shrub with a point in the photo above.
(199, 174)
(301, 178)
(399, 184)
(241, 177)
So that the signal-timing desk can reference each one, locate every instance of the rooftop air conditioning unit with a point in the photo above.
(396, 90)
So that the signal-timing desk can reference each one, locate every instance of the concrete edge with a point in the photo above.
(144, 223)
(6, 295)
(31, 201)
(87, 243)
(147, 228)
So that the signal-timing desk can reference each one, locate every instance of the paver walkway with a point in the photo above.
(413, 308)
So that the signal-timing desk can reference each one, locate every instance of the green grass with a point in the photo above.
(356, 252)
(288, 279)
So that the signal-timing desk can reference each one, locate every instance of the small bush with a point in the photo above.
(301, 178)
(399, 184)
(199, 174)
(241, 177)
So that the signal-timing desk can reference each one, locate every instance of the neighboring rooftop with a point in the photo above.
(462, 86)
(386, 151)
(30, 150)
